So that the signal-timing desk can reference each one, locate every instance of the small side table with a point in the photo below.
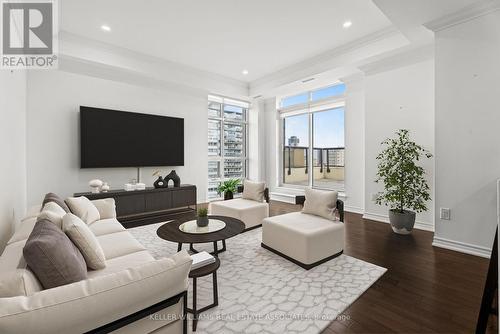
(200, 272)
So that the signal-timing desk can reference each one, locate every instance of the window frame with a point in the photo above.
(223, 120)
(309, 108)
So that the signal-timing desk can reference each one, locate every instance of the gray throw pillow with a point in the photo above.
(51, 197)
(52, 257)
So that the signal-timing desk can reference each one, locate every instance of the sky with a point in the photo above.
(328, 128)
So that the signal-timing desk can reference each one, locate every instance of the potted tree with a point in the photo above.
(405, 186)
(228, 188)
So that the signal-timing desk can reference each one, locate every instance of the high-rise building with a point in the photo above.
(293, 141)
(336, 157)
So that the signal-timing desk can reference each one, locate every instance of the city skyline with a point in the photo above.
(328, 127)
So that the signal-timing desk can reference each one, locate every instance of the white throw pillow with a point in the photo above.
(53, 213)
(253, 190)
(18, 282)
(106, 207)
(321, 203)
(85, 240)
(83, 208)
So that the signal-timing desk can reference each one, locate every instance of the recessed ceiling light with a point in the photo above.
(244, 72)
(347, 24)
(105, 27)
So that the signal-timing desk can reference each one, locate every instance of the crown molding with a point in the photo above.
(83, 51)
(466, 14)
(353, 78)
(405, 57)
(376, 43)
(126, 76)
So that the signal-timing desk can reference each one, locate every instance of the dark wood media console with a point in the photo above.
(142, 207)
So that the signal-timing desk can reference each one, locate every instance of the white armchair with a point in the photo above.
(305, 239)
(250, 212)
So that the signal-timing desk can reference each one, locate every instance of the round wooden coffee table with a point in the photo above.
(170, 231)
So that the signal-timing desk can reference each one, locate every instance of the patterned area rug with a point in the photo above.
(260, 292)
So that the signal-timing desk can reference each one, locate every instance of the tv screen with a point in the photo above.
(111, 138)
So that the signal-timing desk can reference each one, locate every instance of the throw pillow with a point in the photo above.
(85, 240)
(18, 282)
(253, 190)
(52, 257)
(106, 207)
(321, 203)
(51, 197)
(84, 209)
(53, 213)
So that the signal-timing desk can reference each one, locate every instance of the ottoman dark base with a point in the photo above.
(303, 265)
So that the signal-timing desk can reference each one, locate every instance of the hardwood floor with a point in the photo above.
(425, 290)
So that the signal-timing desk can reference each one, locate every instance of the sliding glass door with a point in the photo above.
(313, 138)
(296, 150)
(328, 146)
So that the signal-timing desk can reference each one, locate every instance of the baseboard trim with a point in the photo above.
(462, 247)
(354, 209)
(419, 225)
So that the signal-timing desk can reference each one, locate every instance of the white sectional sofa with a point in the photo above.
(132, 286)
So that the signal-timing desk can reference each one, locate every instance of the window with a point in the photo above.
(328, 142)
(294, 100)
(313, 139)
(328, 92)
(313, 96)
(227, 138)
(296, 149)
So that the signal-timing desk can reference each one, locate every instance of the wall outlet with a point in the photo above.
(445, 213)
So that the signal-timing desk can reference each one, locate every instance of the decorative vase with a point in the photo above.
(95, 185)
(228, 195)
(402, 222)
(105, 187)
(160, 183)
(202, 221)
(174, 177)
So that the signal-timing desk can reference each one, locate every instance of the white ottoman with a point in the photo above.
(251, 213)
(304, 239)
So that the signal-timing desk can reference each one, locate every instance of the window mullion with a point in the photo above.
(310, 157)
(222, 142)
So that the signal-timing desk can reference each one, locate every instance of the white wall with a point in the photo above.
(354, 143)
(468, 132)
(271, 150)
(53, 150)
(12, 151)
(256, 141)
(395, 99)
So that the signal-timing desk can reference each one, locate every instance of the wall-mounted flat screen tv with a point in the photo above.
(111, 138)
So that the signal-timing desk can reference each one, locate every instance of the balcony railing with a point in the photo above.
(328, 164)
